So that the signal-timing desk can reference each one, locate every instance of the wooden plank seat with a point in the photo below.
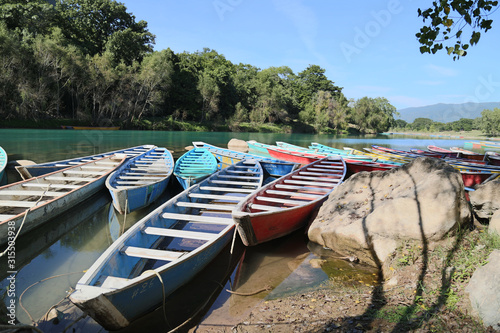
(265, 207)
(320, 174)
(4, 217)
(179, 233)
(111, 164)
(124, 182)
(145, 174)
(15, 203)
(31, 193)
(209, 206)
(83, 172)
(283, 201)
(69, 179)
(316, 179)
(141, 177)
(295, 194)
(229, 182)
(313, 184)
(91, 167)
(198, 218)
(226, 189)
(215, 197)
(238, 177)
(322, 166)
(148, 169)
(302, 188)
(154, 254)
(59, 186)
(325, 170)
(243, 172)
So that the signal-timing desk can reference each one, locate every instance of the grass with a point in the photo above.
(438, 302)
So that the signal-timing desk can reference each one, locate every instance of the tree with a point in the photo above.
(447, 21)
(275, 97)
(373, 114)
(28, 17)
(421, 124)
(310, 81)
(490, 121)
(99, 25)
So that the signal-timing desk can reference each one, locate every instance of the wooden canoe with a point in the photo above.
(3, 164)
(294, 156)
(140, 180)
(34, 170)
(227, 157)
(34, 201)
(194, 166)
(258, 147)
(165, 249)
(286, 204)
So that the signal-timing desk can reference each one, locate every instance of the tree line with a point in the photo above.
(488, 123)
(90, 61)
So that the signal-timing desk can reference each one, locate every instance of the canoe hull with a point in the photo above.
(118, 308)
(294, 157)
(137, 198)
(264, 228)
(194, 166)
(40, 214)
(35, 170)
(175, 241)
(287, 204)
(137, 189)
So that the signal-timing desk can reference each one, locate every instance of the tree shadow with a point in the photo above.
(413, 316)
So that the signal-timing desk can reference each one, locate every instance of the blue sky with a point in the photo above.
(367, 47)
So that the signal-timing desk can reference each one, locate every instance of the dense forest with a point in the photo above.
(90, 62)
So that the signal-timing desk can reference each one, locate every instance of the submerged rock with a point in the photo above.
(484, 291)
(371, 213)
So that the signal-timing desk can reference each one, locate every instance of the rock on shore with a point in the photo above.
(371, 213)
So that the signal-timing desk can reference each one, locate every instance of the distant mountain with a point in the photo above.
(446, 113)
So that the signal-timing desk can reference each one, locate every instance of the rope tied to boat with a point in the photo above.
(163, 292)
(34, 284)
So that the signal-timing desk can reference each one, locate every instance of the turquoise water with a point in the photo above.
(69, 244)
(51, 145)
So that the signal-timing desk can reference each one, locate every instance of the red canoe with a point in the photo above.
(287, 204)
(293, 156)
(355, 166)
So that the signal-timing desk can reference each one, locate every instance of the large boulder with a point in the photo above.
(484, 199)
(238, 145)
(494, 227)
(371, 213)
(484, 291)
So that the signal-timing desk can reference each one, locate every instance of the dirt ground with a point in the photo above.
(418, 296)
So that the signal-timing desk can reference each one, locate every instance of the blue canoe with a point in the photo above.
(35, 170)
(194, 166)
(141, 180)
(165, 249)
(227, 157)
(3, 164)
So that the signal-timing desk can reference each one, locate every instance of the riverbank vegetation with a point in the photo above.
(488, 125)
(89, 62)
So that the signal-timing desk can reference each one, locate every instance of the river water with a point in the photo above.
(51, 260)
